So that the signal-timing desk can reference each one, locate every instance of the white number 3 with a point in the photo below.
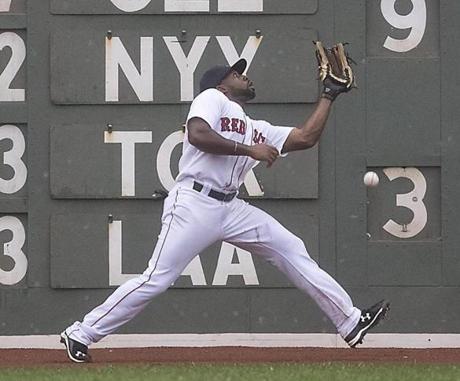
(415, 20)
(412, 200)
(13, 249)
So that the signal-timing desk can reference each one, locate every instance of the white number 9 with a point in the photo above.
(131, 5)
(5, 5)
(416, 20)
(412, 200)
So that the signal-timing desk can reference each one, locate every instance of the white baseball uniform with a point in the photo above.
(191, 208)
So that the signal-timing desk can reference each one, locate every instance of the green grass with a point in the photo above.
(238, 372)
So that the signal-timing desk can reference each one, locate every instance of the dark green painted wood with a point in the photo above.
(386, 122)
(78, 63)
(450, 140)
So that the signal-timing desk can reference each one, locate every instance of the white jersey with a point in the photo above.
(228, 119)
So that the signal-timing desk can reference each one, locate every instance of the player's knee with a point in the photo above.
(294, 245)
(163, 287)
(299, 245)
(291, 241)
(167, 281)
(158, 281)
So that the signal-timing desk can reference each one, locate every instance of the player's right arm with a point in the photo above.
(203, 137)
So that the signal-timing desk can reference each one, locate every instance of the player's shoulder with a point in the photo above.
(211, 94)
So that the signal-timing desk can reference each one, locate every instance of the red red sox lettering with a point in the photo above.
(258, 137)
(233, 125)
(239, 126)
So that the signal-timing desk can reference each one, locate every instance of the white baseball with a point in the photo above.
(371, 179)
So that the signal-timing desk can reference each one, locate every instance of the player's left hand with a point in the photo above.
(264, 152)
(334, 70)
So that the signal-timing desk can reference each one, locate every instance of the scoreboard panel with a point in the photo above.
(93, 96)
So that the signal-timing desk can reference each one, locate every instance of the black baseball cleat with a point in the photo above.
(76, 351)
(369, 318)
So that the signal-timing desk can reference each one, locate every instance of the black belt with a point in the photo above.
(220, 196)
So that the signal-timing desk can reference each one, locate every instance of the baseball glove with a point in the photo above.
(334, 70)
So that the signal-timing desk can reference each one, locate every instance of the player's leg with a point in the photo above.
(189, 224)
(256, 231)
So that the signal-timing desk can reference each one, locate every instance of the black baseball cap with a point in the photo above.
(214, 76)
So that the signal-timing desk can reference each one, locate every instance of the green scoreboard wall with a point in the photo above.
(93, 96)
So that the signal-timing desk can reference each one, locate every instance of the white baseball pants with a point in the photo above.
(191, 222)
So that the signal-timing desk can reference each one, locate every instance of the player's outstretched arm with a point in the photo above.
(308, 134)
(203, 137)
(337, 78)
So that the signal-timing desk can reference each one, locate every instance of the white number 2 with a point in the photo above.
(13, 249)
(415, 20)
(18, 55)
(412, 200)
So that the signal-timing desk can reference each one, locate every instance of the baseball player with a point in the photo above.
(221, 145)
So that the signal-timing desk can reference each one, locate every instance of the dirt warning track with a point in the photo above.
(44, 357)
